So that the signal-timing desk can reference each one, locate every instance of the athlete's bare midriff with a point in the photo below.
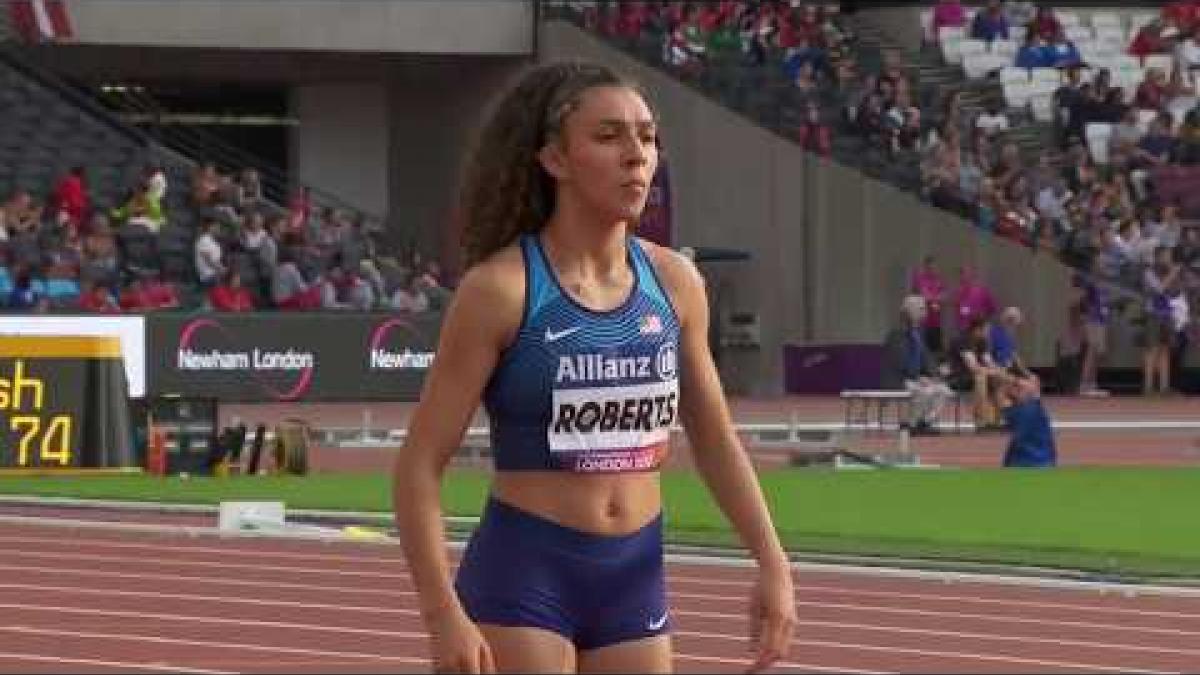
(604, 504)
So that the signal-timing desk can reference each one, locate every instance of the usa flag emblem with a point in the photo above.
(651, 325)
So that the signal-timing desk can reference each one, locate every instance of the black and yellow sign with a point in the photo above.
(63, 403)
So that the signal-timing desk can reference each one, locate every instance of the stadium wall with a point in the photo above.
(739, 186)
(412, 26)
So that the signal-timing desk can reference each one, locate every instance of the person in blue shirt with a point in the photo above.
(1031, 442)
(1001, 338)
(990, 23)
(1035, 53)
(1062, 52)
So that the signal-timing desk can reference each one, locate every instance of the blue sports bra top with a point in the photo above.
(584, 390)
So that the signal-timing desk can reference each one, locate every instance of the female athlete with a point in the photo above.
(584, 344)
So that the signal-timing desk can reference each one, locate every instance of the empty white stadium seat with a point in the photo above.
(1079, 34)
(1017, 93)
(1067, 19)
(1164, 62)
(1144, 118)
(1014, 74)
(1051, 75)
(1017, 34)
(1098, 135)
(927, 25)
(1042, 106)
(1005, 48)
(977, 66)
(1100, 19)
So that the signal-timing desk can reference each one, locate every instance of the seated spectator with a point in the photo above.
(249, 194)
(289, 289)
(1063, 52)
(1052, 207)
(992, 121)
(346, 289)
(97, 297)
(814, 135)
(1002, 341)
(909, 365)
(208, 255)
(230, 295)
(972, 370)
(160, 292)
(948, 14)
(1151, 39)
(990, 23)
(206, 184)
(805, 53)
(1035, 53)
(70, 196)
(410, 296)
(1151, 94)
(24, 297)
(1045, 24)
(807, 87)
(135, 298)
(973, 300)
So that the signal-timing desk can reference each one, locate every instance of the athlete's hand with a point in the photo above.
(458, 645)
(772, 616)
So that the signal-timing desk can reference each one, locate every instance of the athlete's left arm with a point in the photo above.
(722, 461)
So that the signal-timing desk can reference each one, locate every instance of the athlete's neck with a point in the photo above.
(594, 250)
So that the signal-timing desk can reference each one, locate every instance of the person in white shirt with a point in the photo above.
(992, 122)
(209, 267)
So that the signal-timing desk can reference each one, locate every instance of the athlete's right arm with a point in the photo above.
(481, 319)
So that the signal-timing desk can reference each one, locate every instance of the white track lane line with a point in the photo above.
(828, 624)
(184, 619)
(683, 613)
(123, 665)
(673, 580)
(158, 640)
(176, 579)
(673, 558)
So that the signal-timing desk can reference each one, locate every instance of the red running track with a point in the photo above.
(91, 600)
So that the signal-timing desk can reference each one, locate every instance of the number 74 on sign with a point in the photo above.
(54, 442)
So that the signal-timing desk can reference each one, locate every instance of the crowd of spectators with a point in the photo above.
(65, 254)
(1095, 199)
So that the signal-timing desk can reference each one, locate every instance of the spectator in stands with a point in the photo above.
(1052, 204)
(230, 295)
(990, 23)
(208, 255)
(289, 289)
(135, 296)
(206, 185)
(1035, 53)
(96, 297)
(410, 296)
(70, 196)
(1151, 93)
(948, 14)
(992, 121)
(1045, 24)
(344, 288)
(807, 87)
(814, 135)
(1063, 52)
(24, 297)
(927, 283)
(249, 194)
(909, 365)
(1151, 39)
(100, 261)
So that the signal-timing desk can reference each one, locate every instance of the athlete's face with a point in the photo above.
(606, 155)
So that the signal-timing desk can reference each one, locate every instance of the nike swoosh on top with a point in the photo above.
(655, 625)
(552, 336)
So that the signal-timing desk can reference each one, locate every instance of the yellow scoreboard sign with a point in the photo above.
(58, 404)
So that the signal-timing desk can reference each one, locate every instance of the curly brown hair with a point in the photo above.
(505, 191)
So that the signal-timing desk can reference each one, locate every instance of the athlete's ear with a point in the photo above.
(553, 159)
